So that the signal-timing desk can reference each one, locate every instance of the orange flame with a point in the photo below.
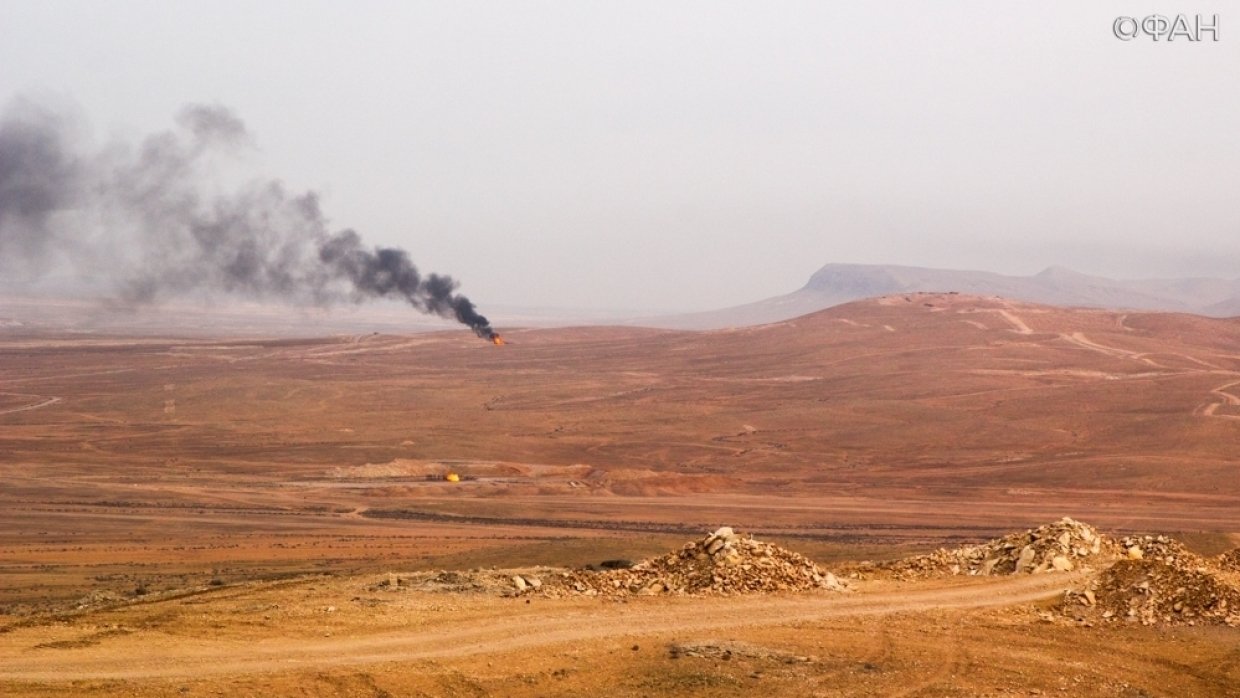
(496, 339)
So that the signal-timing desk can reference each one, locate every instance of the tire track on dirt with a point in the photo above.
(1228, 398)
(949, 664)
(1210, 409)
(1079, 339)
(498, 634)
(33, 406)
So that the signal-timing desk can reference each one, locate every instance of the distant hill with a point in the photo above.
(842, 283)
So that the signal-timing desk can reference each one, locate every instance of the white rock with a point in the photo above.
(1025, 561)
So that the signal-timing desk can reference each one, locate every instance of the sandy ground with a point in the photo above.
(345, 636)
(135, 468)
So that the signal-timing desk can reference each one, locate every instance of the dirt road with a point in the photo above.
(143, 653)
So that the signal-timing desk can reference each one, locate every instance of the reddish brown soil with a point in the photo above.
(868, 430)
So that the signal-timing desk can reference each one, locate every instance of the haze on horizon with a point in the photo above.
(688, 156)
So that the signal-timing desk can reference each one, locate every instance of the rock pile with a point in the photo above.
(1177, 588)
(1156, 548)
(1229, 561)
(526, 583)
(1058, 547)
(511, 582)
(721, 563)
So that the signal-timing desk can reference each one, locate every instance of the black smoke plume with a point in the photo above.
(141, 216)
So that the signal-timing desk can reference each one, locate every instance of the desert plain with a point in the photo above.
(201, 515)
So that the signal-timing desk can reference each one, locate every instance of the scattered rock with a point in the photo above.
(500, 582)
(1058, 547)
(1025, 561)
(729, 649)
(721, 563)
(1160, 548)
(1229, 561)
(1162, 584)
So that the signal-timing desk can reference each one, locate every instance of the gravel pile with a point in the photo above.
(1058, 547)
(1172, 589)
(1157, 548)
(1229, 561)
(721, 563)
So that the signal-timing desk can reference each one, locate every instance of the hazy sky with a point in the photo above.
(690, 155)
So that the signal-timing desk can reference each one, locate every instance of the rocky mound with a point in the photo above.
(1058, 547)
(721, 563)
(508, 582)
(1229, 561)
(1173, 589)
(1156, 548)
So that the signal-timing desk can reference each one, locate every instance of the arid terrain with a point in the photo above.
(835, 284)
(189, 516)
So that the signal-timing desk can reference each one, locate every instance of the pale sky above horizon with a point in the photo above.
(672, 156)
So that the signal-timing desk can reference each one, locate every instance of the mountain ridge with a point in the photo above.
(839, 283)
